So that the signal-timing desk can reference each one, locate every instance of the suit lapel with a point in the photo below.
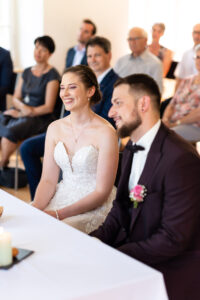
(122, 190)
(152, 162)
(71, 57)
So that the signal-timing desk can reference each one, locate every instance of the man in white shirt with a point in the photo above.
(141, 60)
(98, 57)
(77, 54)
(156, 214)
(186, 66)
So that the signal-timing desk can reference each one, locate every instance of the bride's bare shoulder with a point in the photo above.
(104, 131)
(103, 124)
(59, 123)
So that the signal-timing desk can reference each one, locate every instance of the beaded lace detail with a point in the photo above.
(79, 179)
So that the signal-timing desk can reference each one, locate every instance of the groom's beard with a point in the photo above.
(126, 129)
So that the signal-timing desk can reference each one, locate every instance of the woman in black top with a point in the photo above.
(33, 101)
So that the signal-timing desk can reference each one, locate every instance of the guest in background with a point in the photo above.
(33, 101)
(6, 71)
(164, 54)
(77, 54)
(141, 60)
(99, 56)
(183, 112)
(186, 66)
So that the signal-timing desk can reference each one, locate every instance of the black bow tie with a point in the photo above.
(134, 148)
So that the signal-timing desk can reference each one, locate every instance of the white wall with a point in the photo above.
(28, 25)
(62, 19)
(179, 17)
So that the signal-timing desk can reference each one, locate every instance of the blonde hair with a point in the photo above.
(161, 25)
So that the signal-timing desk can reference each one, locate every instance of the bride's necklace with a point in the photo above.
(77, 136)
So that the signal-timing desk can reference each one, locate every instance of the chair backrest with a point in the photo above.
(170, 73)
(12, 83)
(58, 107)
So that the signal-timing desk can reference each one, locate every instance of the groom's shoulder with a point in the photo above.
(175, 152)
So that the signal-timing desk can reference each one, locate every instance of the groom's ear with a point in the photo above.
(144, 103)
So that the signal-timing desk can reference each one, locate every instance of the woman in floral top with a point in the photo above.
(183, 112)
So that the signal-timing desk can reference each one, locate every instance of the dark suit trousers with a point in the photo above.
(31, 151)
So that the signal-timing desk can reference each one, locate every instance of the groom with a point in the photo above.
(162, 226)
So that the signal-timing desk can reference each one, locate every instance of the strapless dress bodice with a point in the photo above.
(78, 180)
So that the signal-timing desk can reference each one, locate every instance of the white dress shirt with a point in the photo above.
(139, 158)
(186, 67)
(101, 77)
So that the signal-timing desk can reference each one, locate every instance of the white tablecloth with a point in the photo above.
(68, 264)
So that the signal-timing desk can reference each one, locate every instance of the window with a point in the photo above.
(5, 24)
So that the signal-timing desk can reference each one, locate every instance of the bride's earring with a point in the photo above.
(88, 99)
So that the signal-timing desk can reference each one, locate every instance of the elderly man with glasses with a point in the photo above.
(140, 60)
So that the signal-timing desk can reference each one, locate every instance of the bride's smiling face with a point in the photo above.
(73, 92)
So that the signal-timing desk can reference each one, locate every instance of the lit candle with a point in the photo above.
(5, 248)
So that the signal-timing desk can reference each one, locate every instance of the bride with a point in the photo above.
(85, 147)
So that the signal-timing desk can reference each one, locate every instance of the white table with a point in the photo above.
(68, 264)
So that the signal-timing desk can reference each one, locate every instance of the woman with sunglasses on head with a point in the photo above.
(183, 112)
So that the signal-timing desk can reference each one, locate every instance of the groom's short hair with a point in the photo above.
(142, 84)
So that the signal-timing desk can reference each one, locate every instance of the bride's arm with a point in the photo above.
(50, 172)
(106, 173)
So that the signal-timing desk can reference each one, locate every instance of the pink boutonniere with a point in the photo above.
(137, 194)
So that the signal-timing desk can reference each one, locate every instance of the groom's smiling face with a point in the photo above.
(124, 110)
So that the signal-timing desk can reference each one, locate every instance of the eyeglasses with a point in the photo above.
(196, 32)
(130, 39)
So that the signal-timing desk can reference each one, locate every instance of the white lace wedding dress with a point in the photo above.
(79, 179)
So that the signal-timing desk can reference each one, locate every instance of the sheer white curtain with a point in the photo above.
(179, 17)
(5, 23)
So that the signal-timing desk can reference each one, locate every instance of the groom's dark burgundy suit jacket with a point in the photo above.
(164, 231)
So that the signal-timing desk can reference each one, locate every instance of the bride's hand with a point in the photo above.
(51, 213)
